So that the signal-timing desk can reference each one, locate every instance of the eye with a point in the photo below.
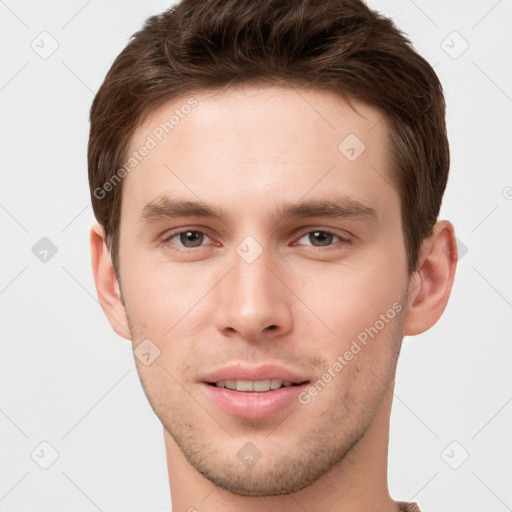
(189, 238)
(322, 238)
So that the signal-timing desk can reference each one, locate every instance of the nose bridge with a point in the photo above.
(252, 285)
(253, 298)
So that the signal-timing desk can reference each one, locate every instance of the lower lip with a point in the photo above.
(253, 405)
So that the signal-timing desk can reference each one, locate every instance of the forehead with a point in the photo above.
(248, 146)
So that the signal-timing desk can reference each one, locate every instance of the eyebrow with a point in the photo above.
(339, 206)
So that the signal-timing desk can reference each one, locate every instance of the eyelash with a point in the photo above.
(342, 240)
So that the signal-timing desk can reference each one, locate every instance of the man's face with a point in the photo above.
(256, 288)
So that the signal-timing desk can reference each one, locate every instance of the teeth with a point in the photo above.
(244, 385)
(249, 385)
(275, 384)
(260, 385)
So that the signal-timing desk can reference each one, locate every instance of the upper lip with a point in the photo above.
(254, 373)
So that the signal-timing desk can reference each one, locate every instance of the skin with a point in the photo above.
(248, 151)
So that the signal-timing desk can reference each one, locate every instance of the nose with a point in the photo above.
(252, 301)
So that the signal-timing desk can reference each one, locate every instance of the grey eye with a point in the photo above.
(319, 238)
(190, 238)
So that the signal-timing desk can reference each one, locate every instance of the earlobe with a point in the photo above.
(107, 286)
(431, 284)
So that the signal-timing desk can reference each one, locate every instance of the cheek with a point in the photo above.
(349, 300)
(173, 307)
(158, 295)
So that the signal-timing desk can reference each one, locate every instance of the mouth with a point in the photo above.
(254, 400)
(256, 386)
(254, 392)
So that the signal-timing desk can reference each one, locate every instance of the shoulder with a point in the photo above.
(408, 507)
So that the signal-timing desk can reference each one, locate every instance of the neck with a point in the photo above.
(356, 484)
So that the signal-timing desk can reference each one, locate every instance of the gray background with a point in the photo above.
(68, 380)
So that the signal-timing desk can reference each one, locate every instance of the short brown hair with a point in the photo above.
(340, 46)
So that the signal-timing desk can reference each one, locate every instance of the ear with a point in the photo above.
(431, 284)
(107, 287)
